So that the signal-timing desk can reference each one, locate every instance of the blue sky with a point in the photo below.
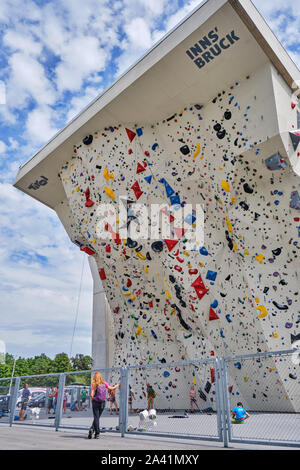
(57, 56)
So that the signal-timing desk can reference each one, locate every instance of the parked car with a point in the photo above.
(37, 401)
(5, 403)
(35, 391)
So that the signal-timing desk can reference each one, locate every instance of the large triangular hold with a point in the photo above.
(198, 283)
(131, 134)
(140, 168)
(200, 292)
(212, 315)
(295, 137)
(171, 243)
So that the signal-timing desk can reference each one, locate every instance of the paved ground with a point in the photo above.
(26, 437)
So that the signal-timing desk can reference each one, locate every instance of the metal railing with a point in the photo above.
(188, 399)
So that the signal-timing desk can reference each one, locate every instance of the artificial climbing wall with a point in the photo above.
(237, 293)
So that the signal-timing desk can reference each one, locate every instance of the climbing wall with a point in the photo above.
(236, 293)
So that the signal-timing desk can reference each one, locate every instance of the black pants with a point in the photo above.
(98, 407)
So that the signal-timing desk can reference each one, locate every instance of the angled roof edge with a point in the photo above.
(250, 17)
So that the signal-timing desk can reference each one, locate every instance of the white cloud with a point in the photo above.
(2, 147)
(80, 57)
(39, 125)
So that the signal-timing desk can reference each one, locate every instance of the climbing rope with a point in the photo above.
(77, 307)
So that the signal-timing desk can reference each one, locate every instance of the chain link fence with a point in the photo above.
(268, 386)
(190, 399)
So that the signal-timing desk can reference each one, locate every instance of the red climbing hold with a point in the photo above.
(131, 134)
(137, 190)
(179, 232)
(87, 250)
(88, 203)
(199, 287)
(212, 376)
(102, 274)
(140, 168)
(170, 244)
(212, 315)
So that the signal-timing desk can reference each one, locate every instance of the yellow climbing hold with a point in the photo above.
(146, 270)
(197, 151)
(259, 258)
(229, 226)
(110, 193)
(168, 294)
(139, 255)
(194, 381)
(108, 175)
(246, 252)
(275, 335)
(226, 186)
(263, 310)
(246, 379)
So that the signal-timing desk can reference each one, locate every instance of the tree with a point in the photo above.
(81, 362)
(61, 363)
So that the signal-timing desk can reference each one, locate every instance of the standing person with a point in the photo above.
(24, 401)
(98, 397)
(112, 401)
(193, 399)
(151, 395)
(239, 414)
(130, 398)
(55, 400)
(84, 393)
(65, 400)
(51, 394)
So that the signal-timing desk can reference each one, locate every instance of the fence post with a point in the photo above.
(59, 404)
(13, 401)
(225, 400)
(219, 391)
(123, 413)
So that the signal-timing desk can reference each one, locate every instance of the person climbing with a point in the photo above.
(98, 398)
(193, 399)
(151, 395)
(239, 414)
(24, 401)
(112, 401)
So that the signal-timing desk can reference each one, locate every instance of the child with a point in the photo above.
(193, 399)
(151, 395)
(239, 414)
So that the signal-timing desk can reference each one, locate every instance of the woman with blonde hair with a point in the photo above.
(98, 398)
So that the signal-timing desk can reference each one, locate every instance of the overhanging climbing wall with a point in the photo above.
(236, 294)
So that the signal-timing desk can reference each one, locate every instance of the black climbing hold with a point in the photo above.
(292, 376)
(227, 115)
(247, 188)
(295, 338)
(280, 307)
(221, 134)
(207, 387)
(131, 243)
(88, 140)
(244, 205)
(185, 150)
(148, 256)
(202, 395)
(266, 290)
(172, 279)
(276, 252)
(157, 246)
(217, 127)
(228, 277)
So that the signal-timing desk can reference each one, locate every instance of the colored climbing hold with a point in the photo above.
(226, 186)
(263, 311)
(131, 134)
(213, 315)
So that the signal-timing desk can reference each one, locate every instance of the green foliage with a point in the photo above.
(43, 364)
